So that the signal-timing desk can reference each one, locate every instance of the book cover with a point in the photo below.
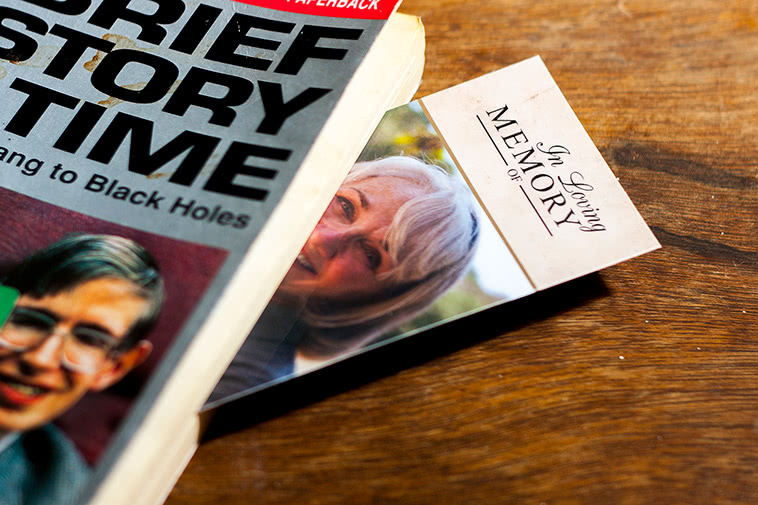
(144, 146)
(474, 196)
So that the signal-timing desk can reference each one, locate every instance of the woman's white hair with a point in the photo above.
(431, 240)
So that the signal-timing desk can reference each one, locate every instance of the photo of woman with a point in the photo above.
(400, 232)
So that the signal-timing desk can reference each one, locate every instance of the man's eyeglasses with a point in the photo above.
(84, 350)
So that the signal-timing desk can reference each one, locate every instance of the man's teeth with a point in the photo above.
(305, 263)
(26, 389)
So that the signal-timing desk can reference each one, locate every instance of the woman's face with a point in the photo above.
(346, 252)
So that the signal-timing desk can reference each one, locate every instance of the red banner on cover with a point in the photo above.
(358, 9)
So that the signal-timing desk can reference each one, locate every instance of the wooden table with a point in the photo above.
(532, 403)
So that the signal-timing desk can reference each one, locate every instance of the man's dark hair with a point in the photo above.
(76, 259)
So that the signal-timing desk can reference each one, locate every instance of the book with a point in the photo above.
(160, 165)
(471, 197)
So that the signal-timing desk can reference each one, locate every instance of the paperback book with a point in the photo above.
(159, 164)
(471, 197)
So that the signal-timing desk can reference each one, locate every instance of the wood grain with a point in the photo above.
(638, 385)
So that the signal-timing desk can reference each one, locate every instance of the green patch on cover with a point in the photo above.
(8, 297)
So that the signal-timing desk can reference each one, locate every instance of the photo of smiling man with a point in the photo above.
(84, 307)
